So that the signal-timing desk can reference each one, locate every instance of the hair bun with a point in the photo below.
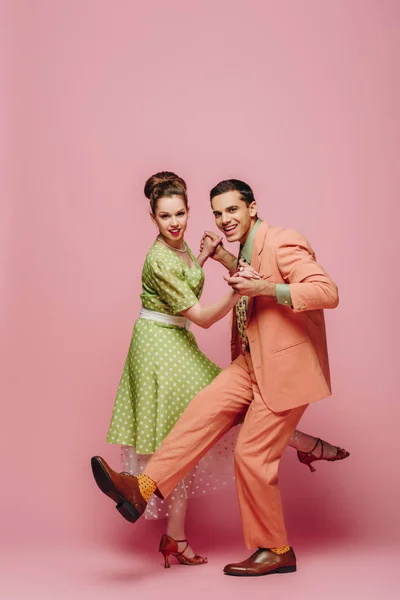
(161, 177)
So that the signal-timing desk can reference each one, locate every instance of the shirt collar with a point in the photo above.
(247, 249)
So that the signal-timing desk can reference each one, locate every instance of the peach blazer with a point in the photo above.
(288, 345)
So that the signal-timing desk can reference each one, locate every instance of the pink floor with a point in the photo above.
(97, 572)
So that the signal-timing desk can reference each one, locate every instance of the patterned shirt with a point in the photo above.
(241, 306)
(283, 295)
(241, 319)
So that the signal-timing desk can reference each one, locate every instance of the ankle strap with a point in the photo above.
(319, 441)
(181, 553)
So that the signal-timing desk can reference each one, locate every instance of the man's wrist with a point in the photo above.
(219, 253)
(267, 288)
(224, 257)
(231, 264)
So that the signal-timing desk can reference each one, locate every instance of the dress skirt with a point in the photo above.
(163, 371)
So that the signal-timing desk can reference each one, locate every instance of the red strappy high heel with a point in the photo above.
(309, 457)
(170, 546)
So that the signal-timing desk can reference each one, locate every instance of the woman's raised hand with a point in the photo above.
(209, 242)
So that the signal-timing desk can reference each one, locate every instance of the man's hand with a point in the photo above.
(220, 253)
(216, 241)
(246, 283)
(209, 244)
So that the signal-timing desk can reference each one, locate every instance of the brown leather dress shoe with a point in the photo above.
(120, 487)
(263, 562)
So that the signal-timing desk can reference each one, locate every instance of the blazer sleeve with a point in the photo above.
(311, 288)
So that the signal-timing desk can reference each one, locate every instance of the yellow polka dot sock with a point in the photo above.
(147, 486)
(282, 550)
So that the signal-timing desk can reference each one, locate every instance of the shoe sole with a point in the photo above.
(105, 483)
(280, 570)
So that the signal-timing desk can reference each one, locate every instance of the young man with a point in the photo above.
(279, 366)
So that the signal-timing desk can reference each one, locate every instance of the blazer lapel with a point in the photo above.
(258, 247)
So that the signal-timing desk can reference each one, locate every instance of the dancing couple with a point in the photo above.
(174, 407)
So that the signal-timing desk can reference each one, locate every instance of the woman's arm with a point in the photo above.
(205, 316)
(202, 257)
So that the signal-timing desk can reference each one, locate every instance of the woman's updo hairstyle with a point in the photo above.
(164, 185)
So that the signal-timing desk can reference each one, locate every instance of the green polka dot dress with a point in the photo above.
(163, 371)
(164, 368)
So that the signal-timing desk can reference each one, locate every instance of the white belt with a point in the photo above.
(152, 315)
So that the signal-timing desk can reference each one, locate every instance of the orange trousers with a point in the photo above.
(232, 397)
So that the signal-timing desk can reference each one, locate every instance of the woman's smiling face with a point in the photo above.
(171, 217)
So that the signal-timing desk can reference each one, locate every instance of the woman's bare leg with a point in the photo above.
(178, 504)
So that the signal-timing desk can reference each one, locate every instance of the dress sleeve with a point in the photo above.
(168, 280)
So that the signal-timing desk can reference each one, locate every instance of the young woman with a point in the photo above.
(165, 369)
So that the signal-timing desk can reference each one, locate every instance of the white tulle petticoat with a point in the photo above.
(214, 472)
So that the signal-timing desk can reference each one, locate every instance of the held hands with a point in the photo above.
(211, 244)
(248, 282)
(247, 271)
(243, 286)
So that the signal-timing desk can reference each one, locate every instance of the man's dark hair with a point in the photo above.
(233, 185)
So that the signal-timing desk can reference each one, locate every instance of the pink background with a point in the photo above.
(300, 99)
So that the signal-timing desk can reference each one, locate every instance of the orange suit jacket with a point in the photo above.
(288, 345)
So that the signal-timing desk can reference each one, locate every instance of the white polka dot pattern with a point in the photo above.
(163, 371)
(169, 285)
(214, 472)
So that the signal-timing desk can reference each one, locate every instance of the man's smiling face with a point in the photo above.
(233, 216)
